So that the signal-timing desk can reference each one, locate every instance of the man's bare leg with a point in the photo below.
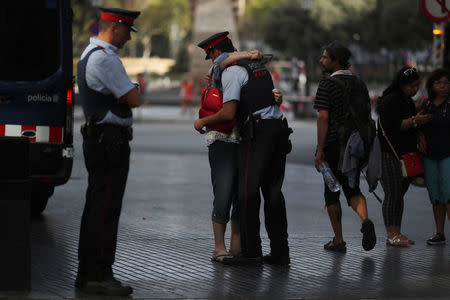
(358, 203)
(335, 214)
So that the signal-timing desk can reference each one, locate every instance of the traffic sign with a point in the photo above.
(436, 10)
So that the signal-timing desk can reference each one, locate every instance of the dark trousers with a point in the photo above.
(224, 179)
(262, 161)
(107, 163)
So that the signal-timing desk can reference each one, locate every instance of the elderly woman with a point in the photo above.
(437, 151)
(399, 119)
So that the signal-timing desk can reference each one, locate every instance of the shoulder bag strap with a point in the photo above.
(389, 142)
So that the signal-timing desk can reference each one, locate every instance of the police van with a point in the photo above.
(36, 89)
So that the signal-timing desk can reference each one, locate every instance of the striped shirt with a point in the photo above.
(329, 97)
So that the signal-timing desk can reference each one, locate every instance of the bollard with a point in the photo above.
(15, 188)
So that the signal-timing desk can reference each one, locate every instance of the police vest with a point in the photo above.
(95, 104)
(256, 94)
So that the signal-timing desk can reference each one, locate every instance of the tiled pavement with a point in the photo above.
(165, 241)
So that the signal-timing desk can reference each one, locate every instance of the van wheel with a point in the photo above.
(39, 198)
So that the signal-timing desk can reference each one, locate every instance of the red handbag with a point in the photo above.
(212, 102)
(411, 164)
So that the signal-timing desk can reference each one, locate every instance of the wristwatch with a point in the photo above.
(414, 122)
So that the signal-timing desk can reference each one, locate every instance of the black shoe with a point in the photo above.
(282, 260)
(369, 238)
(335, 247)
(437, 239)
(110, 287)
(240, 260)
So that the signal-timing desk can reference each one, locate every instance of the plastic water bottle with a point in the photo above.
(329, 178)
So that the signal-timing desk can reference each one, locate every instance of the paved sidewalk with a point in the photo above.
(165, 242)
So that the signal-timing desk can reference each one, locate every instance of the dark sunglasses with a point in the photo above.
(410, 71)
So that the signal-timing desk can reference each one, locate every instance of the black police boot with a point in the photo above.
(241, 260)
(282, 260)
(108, 287)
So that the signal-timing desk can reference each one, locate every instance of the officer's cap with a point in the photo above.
(212, 41)
(118, 15)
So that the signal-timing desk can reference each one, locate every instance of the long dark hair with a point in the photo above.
(434, 76)
(404, 76)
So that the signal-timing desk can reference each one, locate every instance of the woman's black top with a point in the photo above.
(392, 110)
(437, 131)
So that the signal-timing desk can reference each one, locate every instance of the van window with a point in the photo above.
(30, 48)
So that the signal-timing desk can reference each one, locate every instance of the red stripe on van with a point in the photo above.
(2, 129)
(55, 135)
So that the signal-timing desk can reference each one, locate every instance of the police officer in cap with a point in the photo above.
(248, 95)
(107, 96)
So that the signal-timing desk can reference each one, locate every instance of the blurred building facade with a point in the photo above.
(208, 18)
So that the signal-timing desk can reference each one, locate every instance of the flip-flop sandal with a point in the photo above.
(219, 258)
(397, 241)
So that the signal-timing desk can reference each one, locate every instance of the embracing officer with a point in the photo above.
(107, 96)
(248, 95)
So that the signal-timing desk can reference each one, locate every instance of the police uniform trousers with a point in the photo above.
(106, 156)
(262, 161)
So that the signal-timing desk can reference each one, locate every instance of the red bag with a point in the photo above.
(212, 102)
(411, 164)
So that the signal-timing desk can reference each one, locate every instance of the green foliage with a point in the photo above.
(374, 24)
(292, 31)
(394, 25)
(84, 15)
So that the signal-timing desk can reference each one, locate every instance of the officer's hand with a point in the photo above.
(278, 96)
(319, 157)
(198, 125)
(255, 54)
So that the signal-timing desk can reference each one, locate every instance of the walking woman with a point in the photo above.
(437, 151)
(399, 119)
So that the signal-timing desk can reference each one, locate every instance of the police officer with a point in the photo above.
(248, 95)
(107, 96)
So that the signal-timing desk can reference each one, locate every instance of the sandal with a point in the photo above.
(397, 241)
(333, 246)
(220, 257)
(411, 242)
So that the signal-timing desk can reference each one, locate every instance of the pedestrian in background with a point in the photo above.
(107, 96)
(437, 150)
(186, 95)
(399, 119)
(331, 121)
(262, 153)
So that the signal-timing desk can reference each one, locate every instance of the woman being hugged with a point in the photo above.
(399, 119)
(437, 151)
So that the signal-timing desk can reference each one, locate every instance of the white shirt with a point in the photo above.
(105, 74)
